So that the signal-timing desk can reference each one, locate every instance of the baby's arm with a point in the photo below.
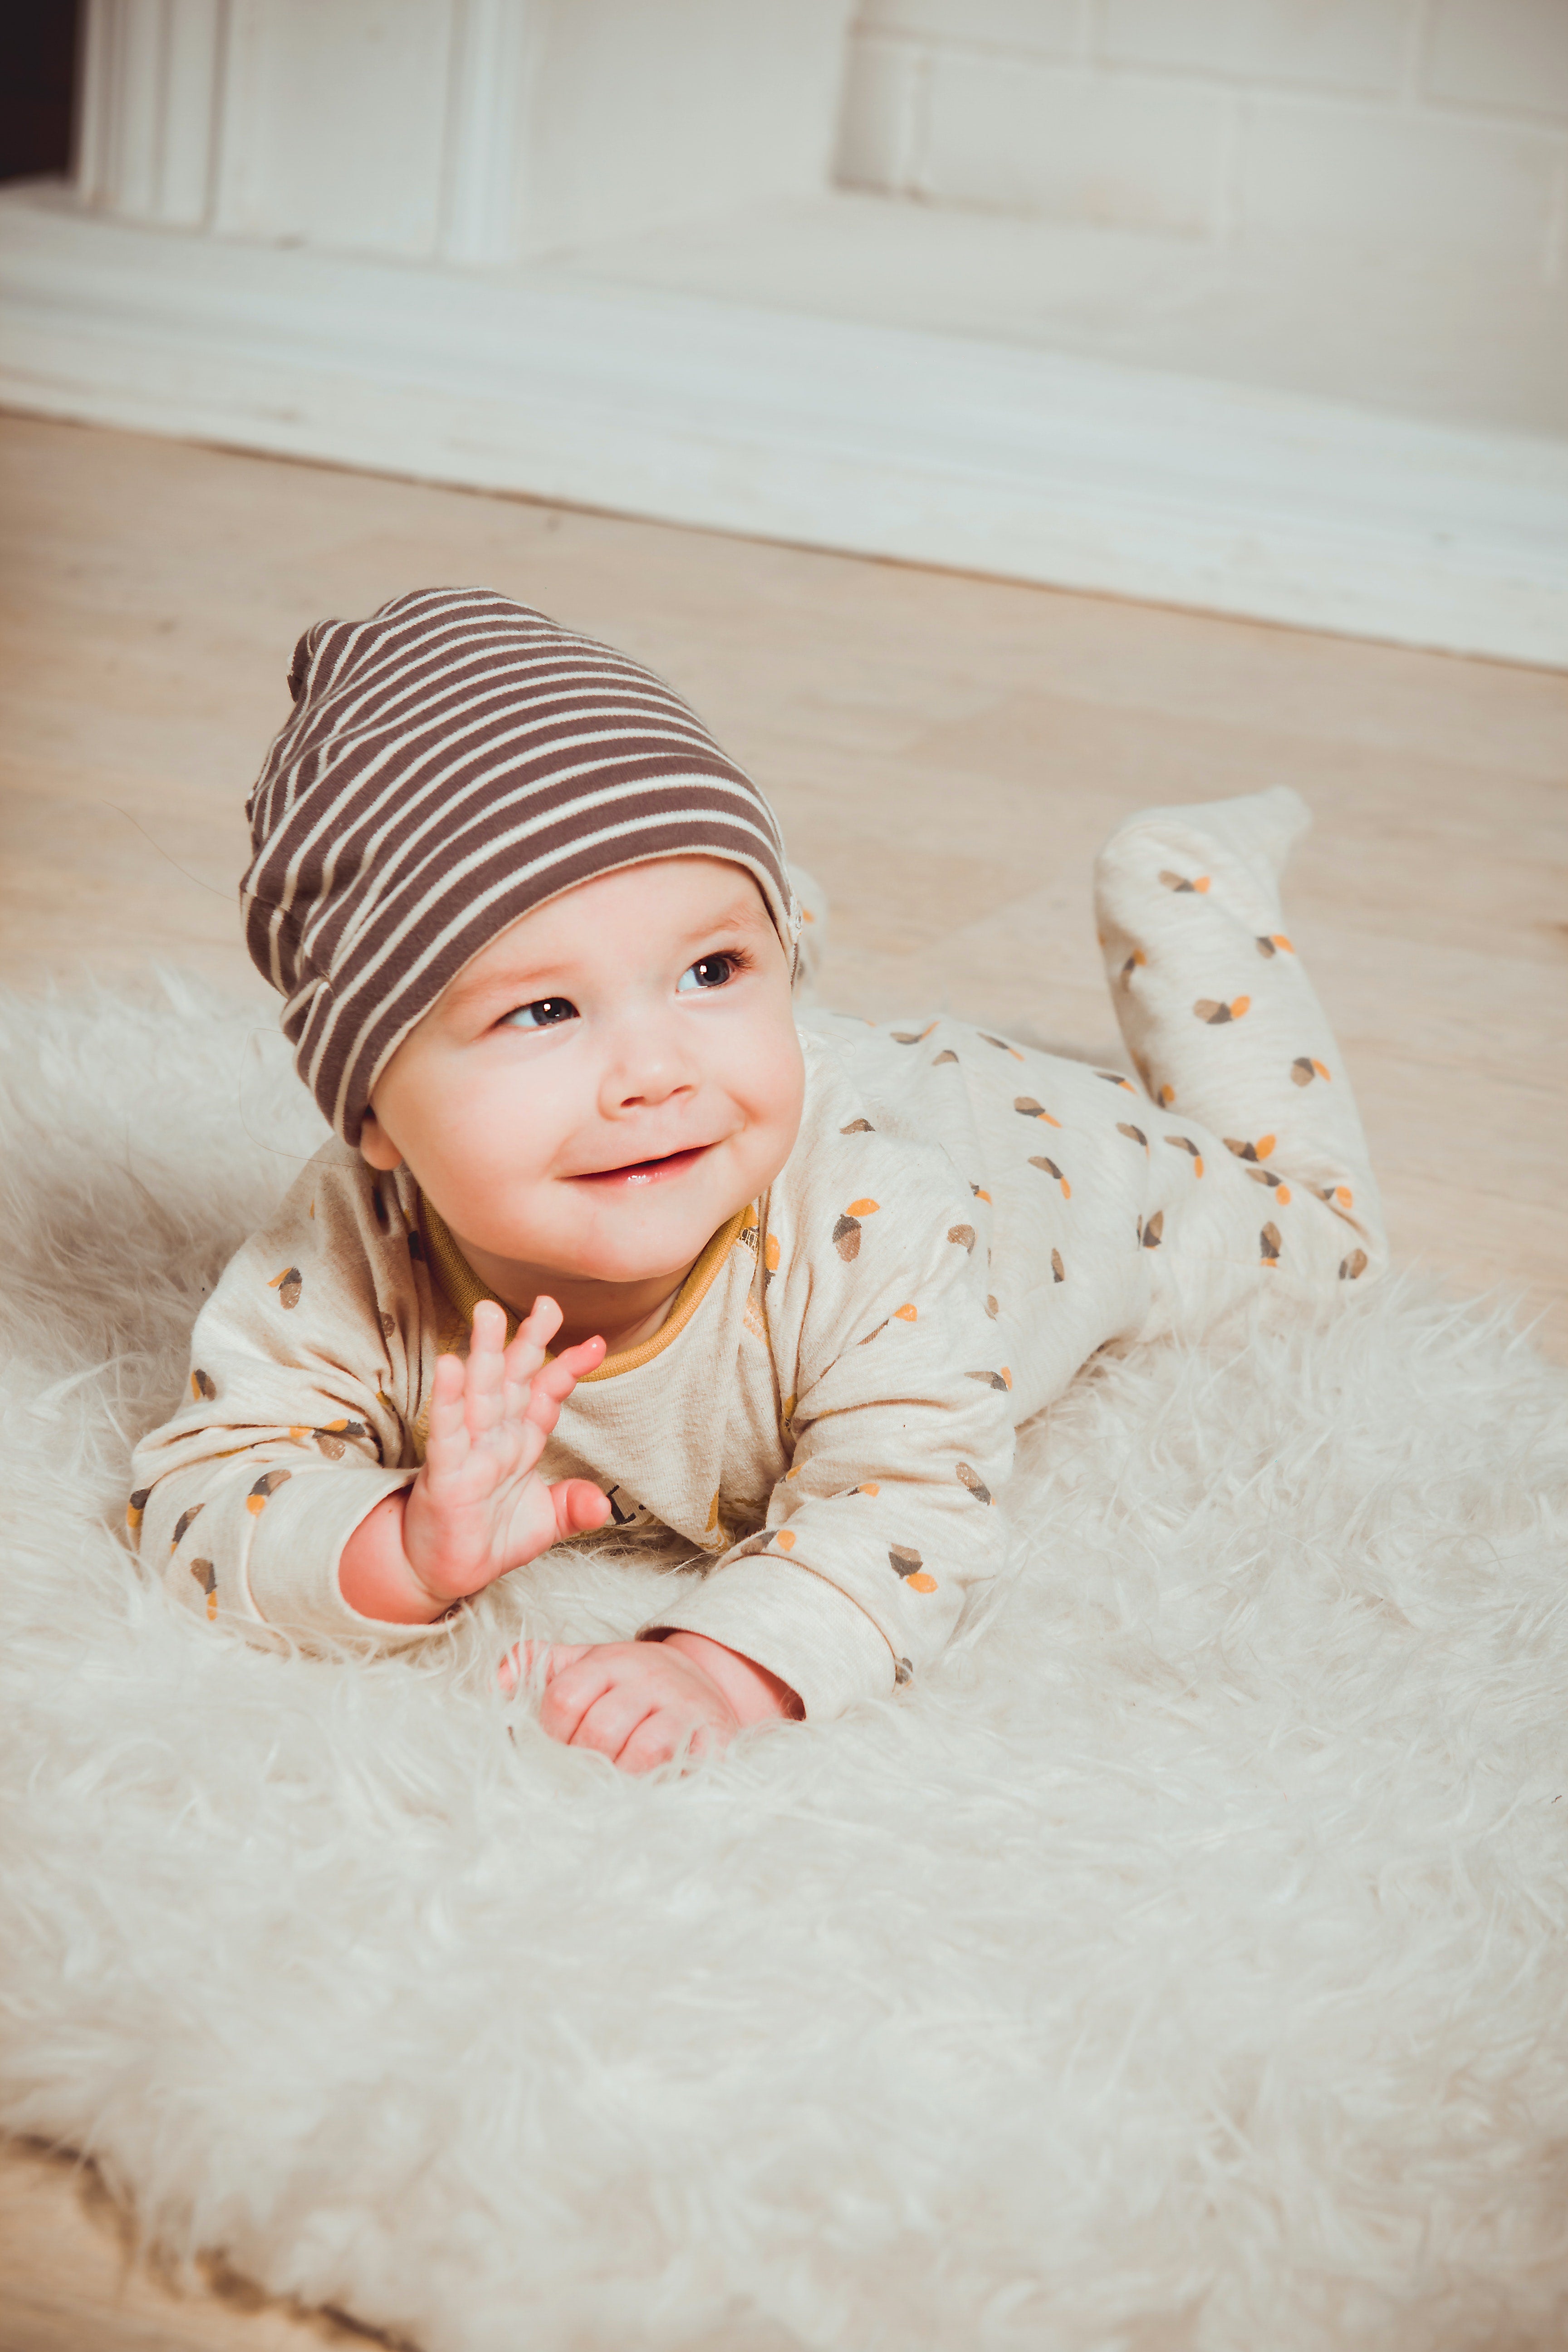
(478, 1507)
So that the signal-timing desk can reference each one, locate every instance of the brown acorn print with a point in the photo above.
(1039, 1160)
(206, 1575)
(962, 1235)
(1058, 1271)
(1353, 1266)
(1252, 1151)
(1002, 1379)
(1154, 1230)
(1217, 1015)
(1184, 1143)
(1028, 1108)
(912, 1036)
(910, 1566)
(903, 1672)
(183, 1525)
(1277, 1184)
(1133, 1134)
(1166, 1097)
(1001, 1045)
(871, 1488)
(981, 1193)
(268, 1484)
(1340, 1196)
(1130, 966)
(203, 1385)
(1180, 882)
(1304, 1069)
(946, 1054)
(858, 1126)
(846, 1231)
(974, 1483)
(388, 1325)
(288, 1285)
(1268, 1245)
(136, 1507)
(771, 1257)
(1115, 1078)
(1273, 943)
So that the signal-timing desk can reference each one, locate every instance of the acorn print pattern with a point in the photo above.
(903, 1673)
(1002, 1379)
(206, 1575)
(1115, 1078)
(1058, 1271)
(1028, 1108)
(912, 1036)
(991, 1307)
(962, 1235)
(288, 1285)
(204, 1387)
(1216, 1015)
(911, 1567)
(858, 1126)
(1153, 1231)
(1134, 1134)
(847, 1230)
(183, 1525)
(1130, 966)
(1268, 1245)
(1180, 881)
(1001, 1045)
(265, 1487)
(1273, 943)
(135, 1508)
(1352, 1267)
(1049, 1167)
(973, 1482)
(1184, 1143)
(1304, 1069)
(946, 1054)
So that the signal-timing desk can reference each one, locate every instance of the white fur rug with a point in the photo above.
(1183, 1968)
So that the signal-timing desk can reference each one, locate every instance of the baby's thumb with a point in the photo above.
(580, 1507)
(519, 1662)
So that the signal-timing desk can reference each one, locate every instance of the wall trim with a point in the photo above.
(936, 449)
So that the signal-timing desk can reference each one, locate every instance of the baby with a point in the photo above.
(802, 1277)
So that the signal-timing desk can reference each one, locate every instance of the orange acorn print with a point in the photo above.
(1268, 1245)
(1115, 1078)
(1130, 966)
(1001, 1045)
(871, 1488)
(288, 1285)
(962, 1235)
(1039, 1160)
(1253, 1151)
(1217, 1015)
(980, 1192)
(136, 1507)
(1338, 1195)
(206, 1575)
(1353, 1266)
(846, 1231)
(908, 1565)
(1180, 882)
(1304, 1069)
(785, 1540)
(1277, 1184)
(1154, 1230)
(858, 1126)
(1166, 1097)
(912, 1036)
(1134, 1134)
(184, 1522)
(786, 1410)
(905, 1314)
(203, 1385)
(267, 1484)
(770, 1255)
(1058, 1271)
(974, 1483)
(1028, 1108)
(946, 1054)
(1273, 943)
(1184, 1143)
(1002, 1379)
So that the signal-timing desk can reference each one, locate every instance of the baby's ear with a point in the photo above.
(376, 1146)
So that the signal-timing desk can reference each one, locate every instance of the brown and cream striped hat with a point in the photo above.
(450, 763)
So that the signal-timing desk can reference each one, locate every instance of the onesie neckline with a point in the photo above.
(463, 1289)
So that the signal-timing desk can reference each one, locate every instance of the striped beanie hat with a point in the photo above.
(450, 763)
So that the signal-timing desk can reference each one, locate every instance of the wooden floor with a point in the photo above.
(945, 754)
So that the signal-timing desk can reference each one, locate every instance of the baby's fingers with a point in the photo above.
(447, 1443)
(554, 1381)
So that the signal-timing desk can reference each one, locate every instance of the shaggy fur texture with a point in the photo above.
(1183, 1968)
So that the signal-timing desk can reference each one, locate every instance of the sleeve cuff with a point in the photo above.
(292, 1572)
(801, 1628)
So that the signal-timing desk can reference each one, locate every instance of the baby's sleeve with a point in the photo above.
(904, 1438)
(303, 1367)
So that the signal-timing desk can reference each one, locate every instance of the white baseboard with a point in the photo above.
(936, 449)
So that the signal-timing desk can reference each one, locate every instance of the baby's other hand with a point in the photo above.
(640, 1703)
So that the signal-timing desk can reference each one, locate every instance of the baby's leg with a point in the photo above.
(1224, 1026)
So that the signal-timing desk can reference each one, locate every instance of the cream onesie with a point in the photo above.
(827, 1416)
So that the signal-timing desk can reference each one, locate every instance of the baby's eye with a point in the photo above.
(708, 971)
(544, 1013)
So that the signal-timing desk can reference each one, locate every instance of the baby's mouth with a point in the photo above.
(646, 1171)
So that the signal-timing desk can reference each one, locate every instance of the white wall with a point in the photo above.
(1422, 124)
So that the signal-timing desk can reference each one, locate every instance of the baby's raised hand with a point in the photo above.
(479, 1506)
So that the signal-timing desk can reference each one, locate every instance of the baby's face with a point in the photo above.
(609, 1082)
